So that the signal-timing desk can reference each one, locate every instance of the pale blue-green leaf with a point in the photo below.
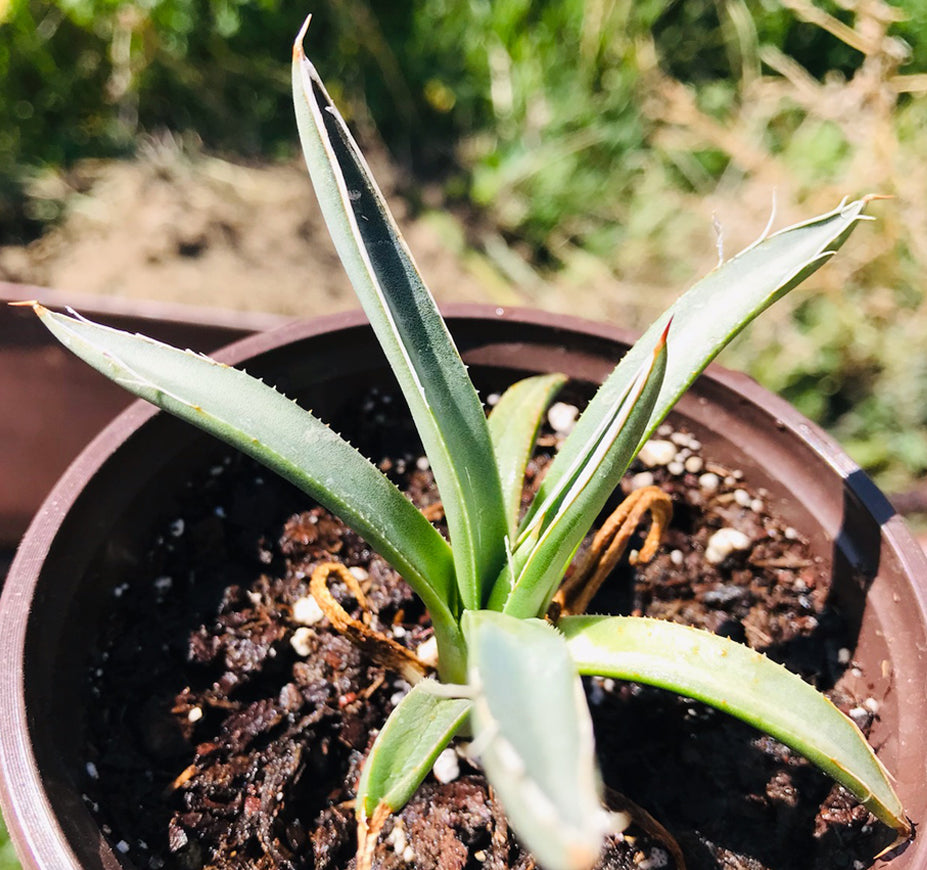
(513, 428)
(707, 317)
(420, 726)
(259, 421)
(533, 732)
(547, 544)
(742, 682)
(444, 405)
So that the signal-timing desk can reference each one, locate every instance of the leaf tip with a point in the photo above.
(34, 304)
(581, 857)
(660, 346)
(662, 342)
(298, 52)
(905, 832)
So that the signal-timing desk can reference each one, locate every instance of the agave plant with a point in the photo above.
(511, 649)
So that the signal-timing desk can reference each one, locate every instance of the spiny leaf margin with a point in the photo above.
(420, 726)
(534, 732)
(548, 542)
(742, 682)
(264, 424)
(444, 405)
(708, 316)
(514, 423)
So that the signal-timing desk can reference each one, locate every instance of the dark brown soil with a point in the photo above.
(215, 743)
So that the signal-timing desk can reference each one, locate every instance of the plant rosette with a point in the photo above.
(95, 528)
(512, 639)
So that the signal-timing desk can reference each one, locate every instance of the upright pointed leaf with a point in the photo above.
(547, 543)
(420, 726)
(742, 682)
(444, 405)
(534, 734)
(259, 421)
(708, 316)
(513, 427)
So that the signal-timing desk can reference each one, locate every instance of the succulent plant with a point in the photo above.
(511, 649)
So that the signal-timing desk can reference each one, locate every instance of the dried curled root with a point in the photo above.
(433, 512)
(367, 834)
(608, 547)
(382, 649)
(618, 802)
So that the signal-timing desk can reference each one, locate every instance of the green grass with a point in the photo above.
(598, 140)
(7, 856)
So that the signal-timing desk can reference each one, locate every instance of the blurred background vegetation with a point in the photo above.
(596, 141)
(7, 858)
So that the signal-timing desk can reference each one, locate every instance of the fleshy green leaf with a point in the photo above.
(547, 543)
(513, 428)
(445, 407)
(742, 682)
(707, 317)
(534, 737)
(420, 726)
(259, 421)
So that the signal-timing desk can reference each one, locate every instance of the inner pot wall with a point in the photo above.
(87, 533)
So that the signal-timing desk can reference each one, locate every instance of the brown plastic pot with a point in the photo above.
(94, 522)
(52, 403)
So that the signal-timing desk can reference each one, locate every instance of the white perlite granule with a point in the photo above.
(724, 542)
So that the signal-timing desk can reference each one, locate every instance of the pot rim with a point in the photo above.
(27, 810)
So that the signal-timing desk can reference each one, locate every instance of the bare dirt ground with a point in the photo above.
(176, 226)
(207, 232)
(190, 228)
